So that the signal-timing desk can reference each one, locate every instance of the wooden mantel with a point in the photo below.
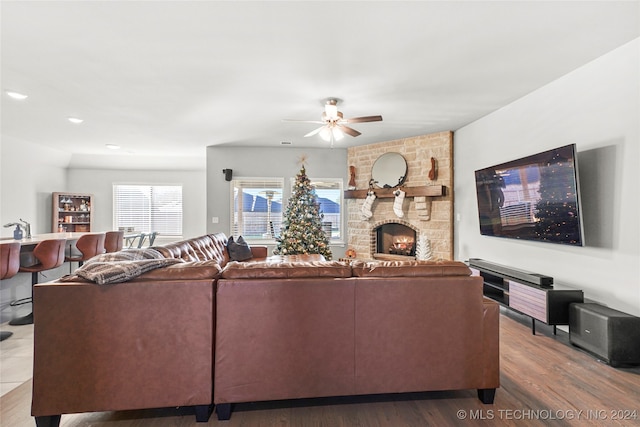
(424, 190)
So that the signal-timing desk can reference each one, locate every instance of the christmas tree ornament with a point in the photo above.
(397, 203)
(367, 205)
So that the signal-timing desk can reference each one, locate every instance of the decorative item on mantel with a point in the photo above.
(423, 207)
(423, 248)
(352, 180)
(433, 172)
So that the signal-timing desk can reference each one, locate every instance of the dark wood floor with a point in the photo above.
(545, 381)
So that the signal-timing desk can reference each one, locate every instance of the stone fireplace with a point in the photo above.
(393, 240)
(364, 234)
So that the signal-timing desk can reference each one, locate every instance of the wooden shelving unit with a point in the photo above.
(72, 212)
(425, 190)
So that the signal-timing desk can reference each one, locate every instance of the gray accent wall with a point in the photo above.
(266, 163)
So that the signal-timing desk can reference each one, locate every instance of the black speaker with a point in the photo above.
(228, 174)
(525, 276)
(609, 334)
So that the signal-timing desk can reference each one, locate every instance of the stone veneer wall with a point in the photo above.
(418, 152)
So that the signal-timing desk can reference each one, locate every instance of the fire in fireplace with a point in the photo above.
(395, 239)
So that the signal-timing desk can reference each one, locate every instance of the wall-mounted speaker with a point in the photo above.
(228, 174)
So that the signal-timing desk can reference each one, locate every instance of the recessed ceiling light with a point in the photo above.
(75, 120)
(113, 146)
(16, 95)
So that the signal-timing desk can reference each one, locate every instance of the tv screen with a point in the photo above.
(533, 198)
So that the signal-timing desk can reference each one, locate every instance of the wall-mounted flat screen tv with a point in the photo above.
(533, 198)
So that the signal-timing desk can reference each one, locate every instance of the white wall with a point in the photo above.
(99, 182)
(29, 173)
(597, 107)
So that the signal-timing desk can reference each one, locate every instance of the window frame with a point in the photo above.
(238, 228)
(176, 231)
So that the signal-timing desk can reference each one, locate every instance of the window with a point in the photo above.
(256, 208)
(148, 208)
(329, 195)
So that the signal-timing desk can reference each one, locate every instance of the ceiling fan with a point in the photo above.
(333, 122)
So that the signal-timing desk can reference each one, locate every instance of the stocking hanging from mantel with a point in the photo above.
(365, 211)
(397, 203)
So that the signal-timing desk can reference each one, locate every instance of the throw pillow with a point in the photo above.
(239, 250)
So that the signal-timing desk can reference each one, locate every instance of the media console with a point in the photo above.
(531, 294)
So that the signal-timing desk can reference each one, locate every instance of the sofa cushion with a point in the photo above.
(285, 270)
(409, 268)
(238, 249)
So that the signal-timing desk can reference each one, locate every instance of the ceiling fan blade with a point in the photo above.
(348, 130)
(364, 119)
(313, 132)
(304, 121)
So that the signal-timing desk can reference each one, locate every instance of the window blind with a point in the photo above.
(256, 207)
(148, 208)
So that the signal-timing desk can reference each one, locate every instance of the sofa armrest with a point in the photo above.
(491, 343)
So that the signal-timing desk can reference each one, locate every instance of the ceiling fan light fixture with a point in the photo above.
(334, 124)
(325, 134)
(331, 111)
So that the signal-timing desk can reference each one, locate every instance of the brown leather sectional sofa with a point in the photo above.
(210, 331)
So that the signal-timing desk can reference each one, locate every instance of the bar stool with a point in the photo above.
(113, 241)
(9, 266)
(50, 255)
(89, 246)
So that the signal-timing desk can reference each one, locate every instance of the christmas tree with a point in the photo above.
(557, 210)
(302, 223)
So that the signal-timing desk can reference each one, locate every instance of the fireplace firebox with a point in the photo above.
(395, 240)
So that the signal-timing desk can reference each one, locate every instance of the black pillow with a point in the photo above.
(238, 250)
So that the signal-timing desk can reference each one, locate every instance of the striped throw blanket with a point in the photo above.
(121, 266)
